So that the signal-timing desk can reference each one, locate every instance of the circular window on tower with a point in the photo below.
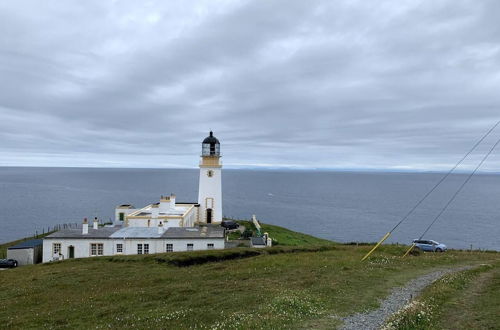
(210, 173)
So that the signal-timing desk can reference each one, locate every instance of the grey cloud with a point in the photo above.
(344, 84)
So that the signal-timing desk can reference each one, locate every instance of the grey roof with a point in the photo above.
(258, 241)
(136, 232)
(27, 244)
(102, 232)
(194, 232)
(142, 232)
(125, 206)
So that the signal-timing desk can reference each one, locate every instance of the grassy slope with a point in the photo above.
(288, 290)
(287, 237)
(477, 306)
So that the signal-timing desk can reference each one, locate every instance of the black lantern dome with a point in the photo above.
(210, 146)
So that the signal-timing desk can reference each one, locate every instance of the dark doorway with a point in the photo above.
(71, 252)
(209, 215)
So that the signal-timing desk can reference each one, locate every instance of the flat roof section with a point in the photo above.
(102, 232)
(178, 211)
(194, 232)
(125, 206)
(27, 244)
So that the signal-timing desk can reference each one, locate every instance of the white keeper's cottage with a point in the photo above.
(165, 226)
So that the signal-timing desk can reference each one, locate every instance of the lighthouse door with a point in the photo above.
(209, 215)
(71, 252)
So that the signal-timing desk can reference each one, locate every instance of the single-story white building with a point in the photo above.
(109, 241)
(27, 252)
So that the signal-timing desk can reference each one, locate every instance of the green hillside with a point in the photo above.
(286, 237)
(280, 288)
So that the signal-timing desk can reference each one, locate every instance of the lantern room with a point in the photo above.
(210, 147)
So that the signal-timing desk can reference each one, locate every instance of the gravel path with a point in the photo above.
(398, 298)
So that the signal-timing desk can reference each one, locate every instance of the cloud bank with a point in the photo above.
(323, 84)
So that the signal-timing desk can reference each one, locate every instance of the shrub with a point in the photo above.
(247, 233)
(415, 252)
(234, 235)
(184, 259)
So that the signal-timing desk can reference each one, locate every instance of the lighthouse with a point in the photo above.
(210, 189)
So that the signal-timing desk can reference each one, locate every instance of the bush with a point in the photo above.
(359, 243)
(247, 233)
(415, 252)
(184, 259)
(234, 235)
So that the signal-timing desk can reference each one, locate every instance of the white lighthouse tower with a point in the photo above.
(210, 190)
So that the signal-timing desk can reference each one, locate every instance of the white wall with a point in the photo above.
(198, 244)
(165, 206)
(22, 256)
(160, 245)
(171, 223)
(210, 187)
(117, 214)
(153, 222)
(190, 217)
(82, 246)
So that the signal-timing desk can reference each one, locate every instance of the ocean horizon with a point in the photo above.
(279, 168)
(340, 205)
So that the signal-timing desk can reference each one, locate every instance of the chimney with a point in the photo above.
(96, 223)
(160, 228)
(85, 227)
(155, 211)
(172, 201)
(268, 240)
(164, 204)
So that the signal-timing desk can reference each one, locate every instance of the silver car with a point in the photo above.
(429, 245)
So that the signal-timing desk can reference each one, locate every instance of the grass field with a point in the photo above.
(294, 286)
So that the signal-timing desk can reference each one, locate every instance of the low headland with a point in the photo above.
(300, 282)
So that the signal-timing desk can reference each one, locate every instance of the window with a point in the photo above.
(139, 248)
(190, 247)
(210, 246)
(96, 249)
(122, 216)
(119, 248)
(56, 248)
(170, 248)
(146, 248)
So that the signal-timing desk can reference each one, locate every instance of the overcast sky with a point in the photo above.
(323, 84)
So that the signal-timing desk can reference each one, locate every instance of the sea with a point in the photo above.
(337, 205)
